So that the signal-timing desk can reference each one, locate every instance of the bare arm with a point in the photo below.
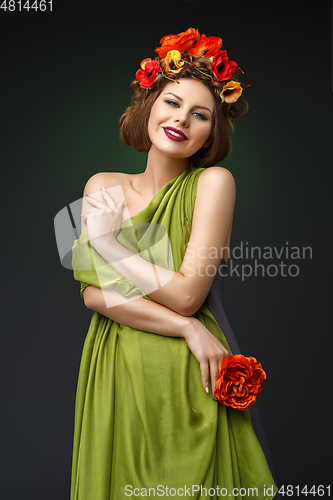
(138, 313)
(185, 291)
(148, 316)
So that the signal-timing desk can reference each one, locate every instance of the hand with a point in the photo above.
(208, 351)
(104, 221)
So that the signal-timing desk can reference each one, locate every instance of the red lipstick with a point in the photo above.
(174, 134)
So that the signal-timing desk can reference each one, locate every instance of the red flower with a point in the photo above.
(240, 381)
(222, 67)
(183, 42)
(206, 47)
(147, 74)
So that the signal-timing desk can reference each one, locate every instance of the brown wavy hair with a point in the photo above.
(134, 121)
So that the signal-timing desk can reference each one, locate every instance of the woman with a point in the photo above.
(146, 419)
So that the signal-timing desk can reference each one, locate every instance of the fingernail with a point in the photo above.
(87, 195)
(103, 188)
(207, 389)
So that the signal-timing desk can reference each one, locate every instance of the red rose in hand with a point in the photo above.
(183, 42)
(222, 67)
(241, 379)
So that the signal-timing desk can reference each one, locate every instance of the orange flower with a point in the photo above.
(206, 47)
(183, 42)
(231, 92)
(174, 62)
(240, 381)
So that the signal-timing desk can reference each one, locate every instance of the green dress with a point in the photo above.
(143, 424)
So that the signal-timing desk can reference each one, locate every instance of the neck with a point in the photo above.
(160, 170)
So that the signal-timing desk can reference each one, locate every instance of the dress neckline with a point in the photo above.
(153, 200)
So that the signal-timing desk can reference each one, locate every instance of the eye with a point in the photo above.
(172, 103)
(200, 115)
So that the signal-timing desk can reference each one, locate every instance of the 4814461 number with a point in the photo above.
(319, 491)
(25, 6)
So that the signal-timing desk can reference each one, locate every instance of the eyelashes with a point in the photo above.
(175, 104)
(200, 115)
(172, 103)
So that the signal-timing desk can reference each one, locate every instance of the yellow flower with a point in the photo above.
(231, 92)
(173, 61)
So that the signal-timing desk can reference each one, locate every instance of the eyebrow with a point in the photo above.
(196, 106)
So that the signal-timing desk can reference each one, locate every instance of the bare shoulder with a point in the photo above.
(216, 181)
(116, 183)
(106, 179)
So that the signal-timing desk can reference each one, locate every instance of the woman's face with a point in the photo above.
(181, 118)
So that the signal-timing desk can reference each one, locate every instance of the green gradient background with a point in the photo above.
(64, 85)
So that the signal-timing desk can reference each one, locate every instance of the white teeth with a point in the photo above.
(174, 133)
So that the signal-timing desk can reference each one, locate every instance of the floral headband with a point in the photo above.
(174, 46)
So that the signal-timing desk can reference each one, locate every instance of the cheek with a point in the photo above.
(151, 122)
(155, 118)
(203, 132)
(157, 113)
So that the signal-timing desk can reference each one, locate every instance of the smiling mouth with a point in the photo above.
(176, 135)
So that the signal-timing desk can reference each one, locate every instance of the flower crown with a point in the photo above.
(174, 46)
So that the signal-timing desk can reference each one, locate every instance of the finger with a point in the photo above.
(224, 351)
(204, 376)
(109, 200)
(223, 354)
(93, 201)
(91, 211)
(121, 205)
(214, 375)
(219, 343)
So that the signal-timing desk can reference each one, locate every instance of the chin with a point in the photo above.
(174, 154)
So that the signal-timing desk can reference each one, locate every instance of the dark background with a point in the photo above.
(64, 83)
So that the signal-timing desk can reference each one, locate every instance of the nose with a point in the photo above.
(181, 117)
